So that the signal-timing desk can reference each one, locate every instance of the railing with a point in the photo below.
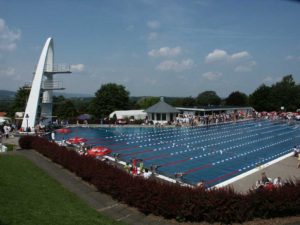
(52, 85)
(56, 68)
(27, 85)
(46, 100)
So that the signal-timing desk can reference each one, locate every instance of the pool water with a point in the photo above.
(213, 154)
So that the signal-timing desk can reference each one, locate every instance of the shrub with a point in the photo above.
(26, 141)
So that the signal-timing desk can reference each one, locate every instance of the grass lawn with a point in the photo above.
(28, 196)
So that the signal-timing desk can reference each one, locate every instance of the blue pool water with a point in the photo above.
(214, 154)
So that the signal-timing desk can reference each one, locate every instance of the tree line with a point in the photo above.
(111, 97)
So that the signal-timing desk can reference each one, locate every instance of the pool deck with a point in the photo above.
(286, 169)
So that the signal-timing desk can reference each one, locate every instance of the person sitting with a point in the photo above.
(178, 177)
(278, 182)
(141, 166)
(201, 184)
(269, 186)
(259, 184)
(147, 174)
(153, 168)
(264, 178)
(127, 168)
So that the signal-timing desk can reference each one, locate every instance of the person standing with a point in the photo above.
(53, 136)
(6, 130)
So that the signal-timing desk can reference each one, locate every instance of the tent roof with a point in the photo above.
(127, 113)
(161, 107)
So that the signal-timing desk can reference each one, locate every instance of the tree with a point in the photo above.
(259, 99)
(63, 108)
(82, 104)
(20, 100)
(237, 98)
(283, 93)
(108, 98)
(184, 102)
(208, 98)
(146, 102)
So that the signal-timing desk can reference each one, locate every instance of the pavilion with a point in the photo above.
(161, 112)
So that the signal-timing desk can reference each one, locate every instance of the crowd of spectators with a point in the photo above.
(136, 168)
(214, 118)
(268, 183)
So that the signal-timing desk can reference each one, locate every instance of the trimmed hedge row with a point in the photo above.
(170, 200)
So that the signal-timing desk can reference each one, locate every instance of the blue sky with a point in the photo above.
(153, 47)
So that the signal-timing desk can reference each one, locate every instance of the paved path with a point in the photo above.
(286, 169)
(121, 212)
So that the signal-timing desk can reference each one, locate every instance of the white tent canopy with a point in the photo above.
(123, 114)
(4, 119)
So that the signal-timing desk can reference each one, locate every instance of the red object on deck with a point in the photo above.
(98, 151)
(76, 140)
(63, 131)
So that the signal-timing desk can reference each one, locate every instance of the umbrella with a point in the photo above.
(84, 117)
(63, 131)
(77, 140)
(99, 151)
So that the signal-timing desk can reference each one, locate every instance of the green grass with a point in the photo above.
(28, 196)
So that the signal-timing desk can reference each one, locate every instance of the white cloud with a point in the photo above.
(289, 57)
(212, 75)
(172, 65)
(246, 67)
(239, 55)
(292, 58)
(219, 55)
(10, 73)
(77, 67)
(153, 24)
(8, 38)
(216, 55)
(152, 36)
(268, 79)
(165, 51)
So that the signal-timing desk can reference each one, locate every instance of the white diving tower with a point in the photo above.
(40, 101)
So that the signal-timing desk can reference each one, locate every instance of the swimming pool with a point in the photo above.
(214, 154)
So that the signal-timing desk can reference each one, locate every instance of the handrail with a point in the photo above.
(52, 85)
(59, 68)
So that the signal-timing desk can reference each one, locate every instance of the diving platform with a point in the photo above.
(40, 102)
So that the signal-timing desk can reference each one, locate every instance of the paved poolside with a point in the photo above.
(286, 169)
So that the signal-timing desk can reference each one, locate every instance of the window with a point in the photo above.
(158, 116)
(164, 116)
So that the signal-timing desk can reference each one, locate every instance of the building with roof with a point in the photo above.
(208, 110)
(161, 112)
